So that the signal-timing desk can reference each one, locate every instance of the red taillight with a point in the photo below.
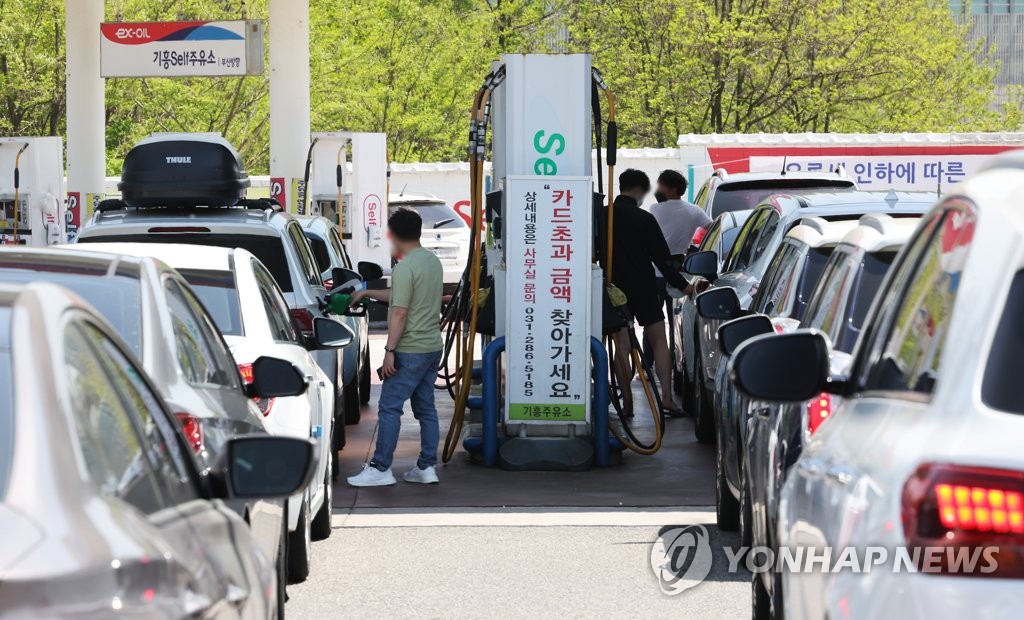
(779, 329)
(303, 319)
(265, 404)
(698, 236)
(192, 428)
(818, 410)
(967, 508)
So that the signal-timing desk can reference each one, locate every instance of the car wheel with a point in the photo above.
(364, 379)
(762, 606)
(282, 569)
(299, 544)
(727, 508)
(350, 396)
(321, 525)
(703, 425)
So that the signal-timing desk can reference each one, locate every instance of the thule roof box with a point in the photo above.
(183, 170)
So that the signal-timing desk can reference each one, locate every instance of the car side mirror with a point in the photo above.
(330, 334)
(370, 271)
(267, 466)
(703, 264)
(344, 278)
(718, 304)
(782, 368)
(737, 331)
(273, 377)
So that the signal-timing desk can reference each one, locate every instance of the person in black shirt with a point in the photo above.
(638, 245)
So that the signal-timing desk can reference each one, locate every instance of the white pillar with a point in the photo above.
(86, 114)
(289, 90)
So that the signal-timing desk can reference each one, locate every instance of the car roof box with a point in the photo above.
(183, 170)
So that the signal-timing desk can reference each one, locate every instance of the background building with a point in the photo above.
(1000, 23)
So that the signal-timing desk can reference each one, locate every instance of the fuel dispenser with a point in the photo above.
(32, 191)
(351, 169)
(533, 291)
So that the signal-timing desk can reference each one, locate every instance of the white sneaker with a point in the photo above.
(421, 476)
(372, 477)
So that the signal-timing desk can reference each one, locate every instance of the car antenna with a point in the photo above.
(785, 158)
(402, 193)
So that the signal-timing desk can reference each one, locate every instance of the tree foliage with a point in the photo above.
(409, 68)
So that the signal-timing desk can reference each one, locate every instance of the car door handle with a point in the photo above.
(840, 475)
(811, 468)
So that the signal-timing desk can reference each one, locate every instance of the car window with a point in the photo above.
(306, 259)
(321, 254)
(201, 355)
(796, 296)
(830, 303)
(873, 271)
(702, 195)
(436, 215)
(339, 247)
(743, 195)
(776, 279)
(282, 327)
(910, 348)
(219, 294)
(103, 429)
(739, 256)
(766, 238)
(160, 440)
(708, 243)
(1005, 365)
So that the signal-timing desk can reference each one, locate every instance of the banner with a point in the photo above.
(181, 49)
(548, 345)
(931, 173)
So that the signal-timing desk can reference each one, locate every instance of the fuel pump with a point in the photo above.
(533, 285)
(348, 183)
(32, 191)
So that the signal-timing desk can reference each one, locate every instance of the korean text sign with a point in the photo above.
(181, 49)
(548, 336)
(882, 172)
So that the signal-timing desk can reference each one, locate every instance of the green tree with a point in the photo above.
(31, 67)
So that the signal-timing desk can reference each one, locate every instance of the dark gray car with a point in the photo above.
(103, 509)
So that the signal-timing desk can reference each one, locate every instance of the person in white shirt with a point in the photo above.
(679, 221)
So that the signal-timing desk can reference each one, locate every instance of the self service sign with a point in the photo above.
(181, 49)
(548, 336)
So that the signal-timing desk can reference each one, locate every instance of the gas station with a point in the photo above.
(540, 459)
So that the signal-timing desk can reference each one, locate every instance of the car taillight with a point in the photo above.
(818, 410)
(779, 328)
(303, 319)
(192, 428)
(329, 283)
(265, 404)
(698, 236)
(967, 509)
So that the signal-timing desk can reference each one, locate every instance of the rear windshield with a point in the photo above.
(115, 298)
(744, 195)
(1000, 388)
(876, 265)
(6, 402)
(219, 294)
(435, 214)
(268, 248)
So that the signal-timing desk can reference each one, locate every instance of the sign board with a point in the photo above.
(373, 209)
(549, 223)
(298, 194)
(881, 172)
(181, 49)
(277, 191)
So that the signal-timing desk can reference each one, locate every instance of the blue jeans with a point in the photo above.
(414, 381)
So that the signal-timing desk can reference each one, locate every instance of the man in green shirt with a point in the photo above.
(413, 354)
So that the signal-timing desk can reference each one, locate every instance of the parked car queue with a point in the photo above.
(195, 387)
(895, 419)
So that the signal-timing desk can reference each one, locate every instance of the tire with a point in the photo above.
(727, 507)
(299, 543)
(762, 605)
(320, 528)
(364, 378)
(350, 398)
(703, 424)
(282, 569)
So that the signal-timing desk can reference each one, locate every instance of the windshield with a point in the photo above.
(118, 299)
(268, 248)
(6, 401)
(744, 195)
(876, 265)
(435, 214)
(219, 294)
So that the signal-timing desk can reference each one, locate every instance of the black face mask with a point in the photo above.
(660, 197)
